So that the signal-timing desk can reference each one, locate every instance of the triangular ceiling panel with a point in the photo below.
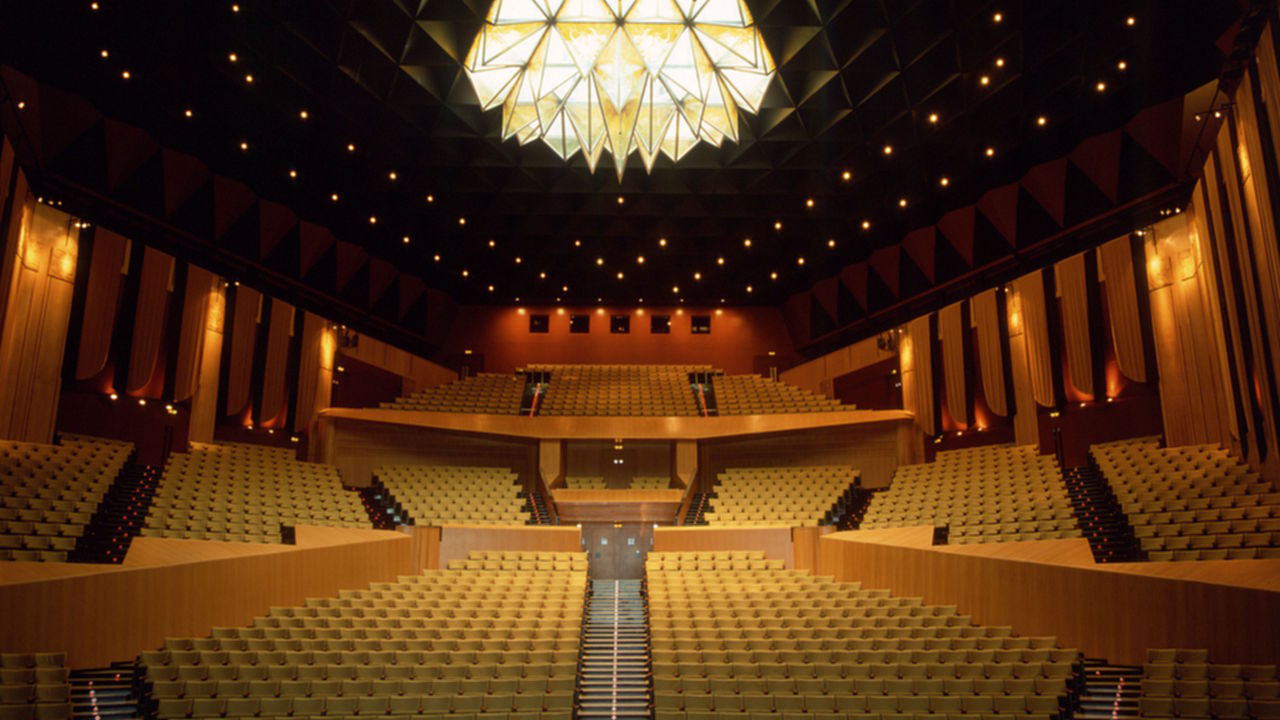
(957, 228)
(1099, 159)
(919, 246)
(1046, 183)
(128, 148)
(1000, 206)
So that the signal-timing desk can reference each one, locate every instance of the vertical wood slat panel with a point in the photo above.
(985, 316)
(148, 321)
(1261, 215)
(275, 393)
(1115, 263)
(1219, 222)
(244, 332)
(201, 285)
(1241, 230)
(1073, 295)
(951, 332)
(37, 316)
(101, 300)
(915, 357)
(1029, 290)
(1225, 399)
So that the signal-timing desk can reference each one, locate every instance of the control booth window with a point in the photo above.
(700, 324)
(539, 323)
(660, 324)
(620, 324)
(579, 324)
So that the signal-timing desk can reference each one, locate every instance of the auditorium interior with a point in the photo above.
(640, 359)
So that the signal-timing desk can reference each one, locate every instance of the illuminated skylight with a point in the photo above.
(646, 76)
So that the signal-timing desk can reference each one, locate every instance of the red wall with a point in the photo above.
(874, 387)
(358, 384)
(738, 335)
(90, 413)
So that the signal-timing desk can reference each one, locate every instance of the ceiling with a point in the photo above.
(969, 95)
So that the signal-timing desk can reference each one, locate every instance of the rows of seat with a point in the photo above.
(1184, 684)
(457, 641)
(245, 493)
(442, 494)
(596, 482)
(756, 395)
(1195, 502)
(48, 493)
(793, 496)
(650, 482)
(486, 393)
(585, 482)
(748, 636)
(618, 390)
(34, 686)
(994, 493)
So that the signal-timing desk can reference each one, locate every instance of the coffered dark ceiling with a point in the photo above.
(970, 95)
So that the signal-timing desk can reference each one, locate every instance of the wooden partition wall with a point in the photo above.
(775, 541)
(1115, 611)
(177, 588)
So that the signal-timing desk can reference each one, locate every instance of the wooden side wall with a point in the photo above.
(108, 613)
(1118, 611)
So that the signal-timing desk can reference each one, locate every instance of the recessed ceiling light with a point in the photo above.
(998, 17)
(564, 288)
(846, 176)
(888, 149)
(599, 261)
(462, 221)
(406, 239)
(490, 288)
(639, 259)
(334, 197)
(662, 242)
(125, 74)
(1122, 66)
(675, 288)
(1131, 21)
(719, 261)
(777, 225)
(232, 57)
(984, 80)
(293, 173)
(1042, 121)
(105, 53)
(235, 8)
(519, 260)
(351, 147)
(750, 289)
(746, 243)
(187, 112)
(944, 181)
(621, 199)
(431, 198)
(492, 243)
(391, 175)
(902, 202)
(436, 257)
(808, 203)
(697, 276)
(577, 243)
(773, 275)
(303, 114)
(866, 224)
(1000, 62)
(619, 276)
(831, 242)
(249, 79)
(244, 145)
(465, 273)
(1101, 86)
(542, 275)
(373, 219)
(991, 152)
(933, 118)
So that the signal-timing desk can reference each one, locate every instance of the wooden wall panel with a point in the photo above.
(951, 334)
(417, 373)
(102, 295)
(806, 548)
(686, 462)
(774, 541)
(34, 334)
(148, 322)
(984, 312)
(244, 332)
(1073, 296)
(275, 388)
(873, 450)
(201, 286)
(118, 612)
(426, 546)
(456, 541)
(1116, 611)
(821, 372)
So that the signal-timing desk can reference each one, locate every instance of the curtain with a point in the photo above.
(201, 285)
(1030, 314)
(985, 317)
(914, 354)
(148, 320)
(315, 370)
(274, 383)
(1073, 296)
(951, 332)
(244, 334)
(1119, 281)
(102, 294)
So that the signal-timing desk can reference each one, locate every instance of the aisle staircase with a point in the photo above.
(385, 512)
(537, 506)
(104, 693)
(614, 673)
(119, 516)
(698, 508)
(1102, 520)
(1110, 692)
